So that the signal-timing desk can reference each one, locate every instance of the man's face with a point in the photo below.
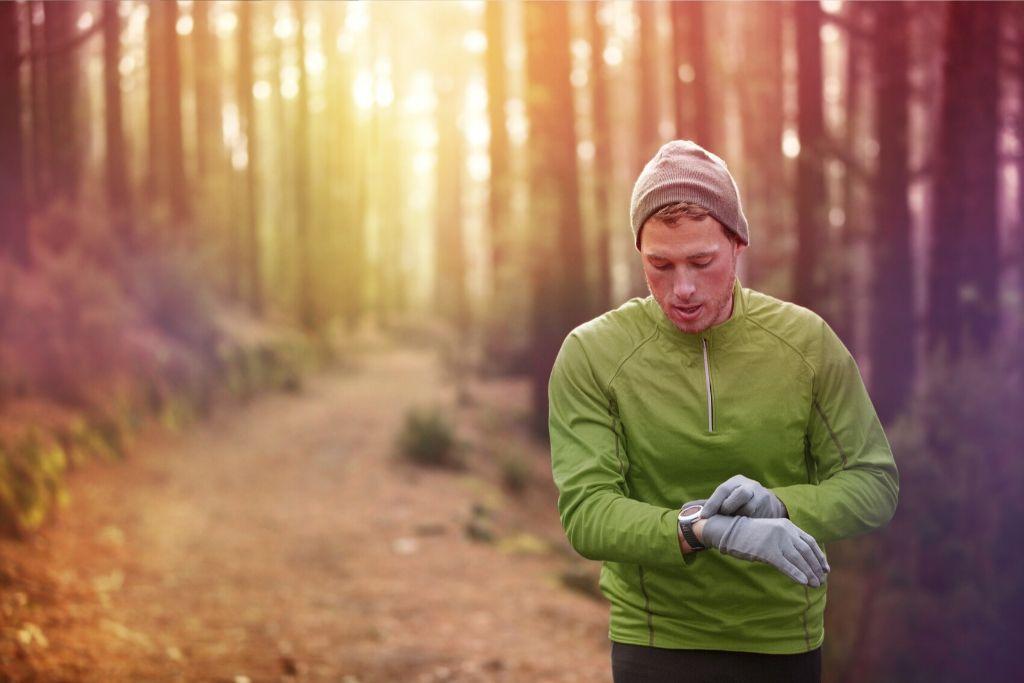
(690, 269)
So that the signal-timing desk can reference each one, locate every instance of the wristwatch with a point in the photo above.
(688, 515)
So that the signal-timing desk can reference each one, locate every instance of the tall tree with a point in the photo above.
(810, 189)
(556, 251)
(175, 153)
(209, 155)
(307, 314)
(13, 210)
(691, 78)
(248, 130)
(40, 125)
(964, 265)
(648, 110)
(62, 83)
(763, 174)
(892, 364)
(603, 172)
(501, 175)
(450, 250)
(119, 199)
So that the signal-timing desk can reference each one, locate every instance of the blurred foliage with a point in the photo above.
(953, 551)
(96, 336)
(427, 438)
(515, 473)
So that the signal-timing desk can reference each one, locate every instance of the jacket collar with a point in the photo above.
(715, 335)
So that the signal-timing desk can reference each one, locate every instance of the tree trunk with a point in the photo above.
(556, 251)
(690, 77)
(811, 191)
(13, 210)
(177, 185)
(603, 172)
(62, 94)
(964, 269)
(248, 131)
(40, 123)
(307, 313)
(892, 364)
(764, 181)
(501, 175)
(119, 198)
(209, 156)
(450, 255)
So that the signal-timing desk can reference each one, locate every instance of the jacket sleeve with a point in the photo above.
(857, 481)
(589, 466)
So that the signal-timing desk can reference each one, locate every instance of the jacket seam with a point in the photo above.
(807, 608)
(800, 355)
(640, 344)
(647, 607)
(831, 433)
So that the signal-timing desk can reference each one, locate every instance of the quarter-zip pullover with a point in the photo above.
(644, 417)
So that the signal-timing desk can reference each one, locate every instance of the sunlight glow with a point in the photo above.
(285, 27)
(423, 162)
(829, 33)
(184, 25)
(289, 89)
(85, 21)
(832, 6)
(578, 77)
(316, 62)
(356, 17)
(262, 90)
(362, 90)
(612, 55)
(474, 41)
(126, 65)
(790, 144)
(686, 73)
(225, 23)
(479, 166)
(585, 150)
(478, 132)
(581, 49)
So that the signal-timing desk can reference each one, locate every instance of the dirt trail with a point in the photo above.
(281, 541)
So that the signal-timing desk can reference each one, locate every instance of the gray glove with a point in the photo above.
(777, 542)
(741, 495)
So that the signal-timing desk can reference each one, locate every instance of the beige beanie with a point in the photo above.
(683, 171)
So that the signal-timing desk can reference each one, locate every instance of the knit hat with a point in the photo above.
(683, 171)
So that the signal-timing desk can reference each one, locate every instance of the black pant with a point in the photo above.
(642, 664)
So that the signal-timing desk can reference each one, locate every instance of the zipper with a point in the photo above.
(707, 385)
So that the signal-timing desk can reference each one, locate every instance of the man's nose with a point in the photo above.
(683, 287)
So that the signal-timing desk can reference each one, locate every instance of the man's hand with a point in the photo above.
(745, 497)
(777, 542)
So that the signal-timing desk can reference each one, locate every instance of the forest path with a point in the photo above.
(282, 541)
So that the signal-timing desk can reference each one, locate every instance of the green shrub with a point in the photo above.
(428, 438)
(515, 473)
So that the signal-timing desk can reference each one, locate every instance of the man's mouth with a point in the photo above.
(688, 311)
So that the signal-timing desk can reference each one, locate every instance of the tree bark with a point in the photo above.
(603, 172)
(62, 95)
(809, 284)
(14, 242)
(892, 317)
(964, 266)
(556, 251)
(119, 198)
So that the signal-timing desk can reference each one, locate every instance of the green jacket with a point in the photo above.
(644, 417)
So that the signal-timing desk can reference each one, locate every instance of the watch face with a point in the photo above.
(690, 510)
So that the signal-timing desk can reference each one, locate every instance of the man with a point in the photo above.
(706, 442)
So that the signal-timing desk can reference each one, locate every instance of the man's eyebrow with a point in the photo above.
(698, 254)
